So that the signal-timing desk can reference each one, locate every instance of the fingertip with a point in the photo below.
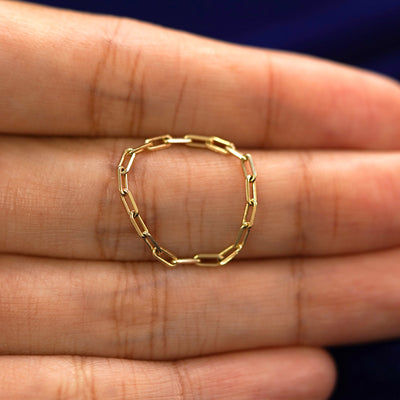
(305, 374)
(319, 370)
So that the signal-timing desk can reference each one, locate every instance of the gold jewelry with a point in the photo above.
(212, 143)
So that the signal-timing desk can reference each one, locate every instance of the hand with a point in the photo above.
(86, 312)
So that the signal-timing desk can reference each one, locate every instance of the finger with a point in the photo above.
(192, 201)
(145, 311)
(287, 374)
(144, 80)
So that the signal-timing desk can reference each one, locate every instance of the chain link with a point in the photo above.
(158, 142)
(212, 143)
(122, 181)
(249, 214)
(236, 153)
(165, 257)
(129, 203)
(129, 155)
(251, 194)
(219, 145)
(248, 167)
(149, 240)
(141, 148)
(139, 225)
(208, 260)
(229, 253)
(242, 235)
(197, 141)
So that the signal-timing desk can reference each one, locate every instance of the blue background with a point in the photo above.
(363, 33)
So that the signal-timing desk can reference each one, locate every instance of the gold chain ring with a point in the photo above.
(212, 143)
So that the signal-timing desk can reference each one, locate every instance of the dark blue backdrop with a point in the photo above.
(365, 33)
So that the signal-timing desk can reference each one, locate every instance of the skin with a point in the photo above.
(86, 313)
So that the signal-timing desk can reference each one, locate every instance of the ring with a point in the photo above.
(212, 143)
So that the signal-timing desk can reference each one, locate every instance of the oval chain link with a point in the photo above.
(212, 143)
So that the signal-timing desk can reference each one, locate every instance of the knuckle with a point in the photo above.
(107, 49)
(120, 64)
(185, 386)
(106, 233)
(82, 385)
(297, 271)
(139, 312)
(271, 111)
(302, 204)
(178, 111)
